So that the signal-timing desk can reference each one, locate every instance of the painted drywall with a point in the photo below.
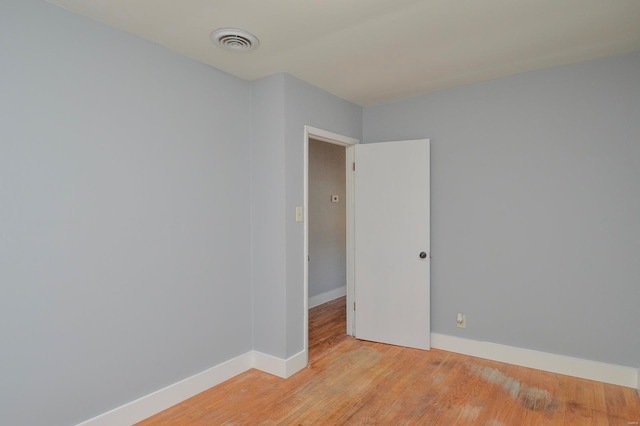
(268, 216)
(281, 106)
(134, 236)
(535, 206)
(124, 204)
(327, 219)
(305, 105)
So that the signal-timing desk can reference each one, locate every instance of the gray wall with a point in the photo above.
(268, 216)
(124, 204)
(281, 106)
(535, 206)
(141, 212)
(305, 105)
(327, 220)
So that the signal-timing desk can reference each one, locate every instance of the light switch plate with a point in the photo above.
(299, 215)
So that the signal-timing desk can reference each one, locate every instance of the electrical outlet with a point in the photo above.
(461, 320)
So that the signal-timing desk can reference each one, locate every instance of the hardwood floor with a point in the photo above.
(355, 382)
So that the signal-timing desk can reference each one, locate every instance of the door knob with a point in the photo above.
(423, 255)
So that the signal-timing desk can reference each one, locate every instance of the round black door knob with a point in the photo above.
(423, 255)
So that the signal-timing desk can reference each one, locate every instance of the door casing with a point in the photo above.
(349, 144)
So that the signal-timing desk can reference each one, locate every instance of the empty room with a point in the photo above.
(319, 212)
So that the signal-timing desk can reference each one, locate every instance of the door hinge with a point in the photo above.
(354, 166)
(354, 306)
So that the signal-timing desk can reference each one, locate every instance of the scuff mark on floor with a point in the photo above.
(494, 422)
(438, 378)
(532, 398)
(470, 413)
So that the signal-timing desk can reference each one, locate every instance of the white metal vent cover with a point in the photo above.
(235, 40)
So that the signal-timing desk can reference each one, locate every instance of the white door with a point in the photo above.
(392, 250)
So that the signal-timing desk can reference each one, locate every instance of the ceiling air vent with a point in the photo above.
(235, 40)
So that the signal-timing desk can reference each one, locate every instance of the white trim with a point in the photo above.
(305, 249)
(284, 368)
(327, 296)
(570, 366)
(326, 136)
(171, 395)
(296, 363)
(349, 143)
(269, 364)
(155, 402)
(351, 238)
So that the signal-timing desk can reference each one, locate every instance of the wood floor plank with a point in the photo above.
(354, 382)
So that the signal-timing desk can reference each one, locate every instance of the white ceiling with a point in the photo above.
(371, 51)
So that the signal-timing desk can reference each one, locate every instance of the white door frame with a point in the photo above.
(349, 144)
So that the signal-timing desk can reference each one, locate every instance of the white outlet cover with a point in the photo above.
(461, 320)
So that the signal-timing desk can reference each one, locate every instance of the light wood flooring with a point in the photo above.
(355, 382)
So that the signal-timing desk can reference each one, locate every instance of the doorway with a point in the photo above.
(335, 148)
(395, 288)
(327, 256)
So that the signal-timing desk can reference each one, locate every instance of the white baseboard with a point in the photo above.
(171, 395)
(576, 367)
(284, 368)
(328, 296)
(297, 362)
